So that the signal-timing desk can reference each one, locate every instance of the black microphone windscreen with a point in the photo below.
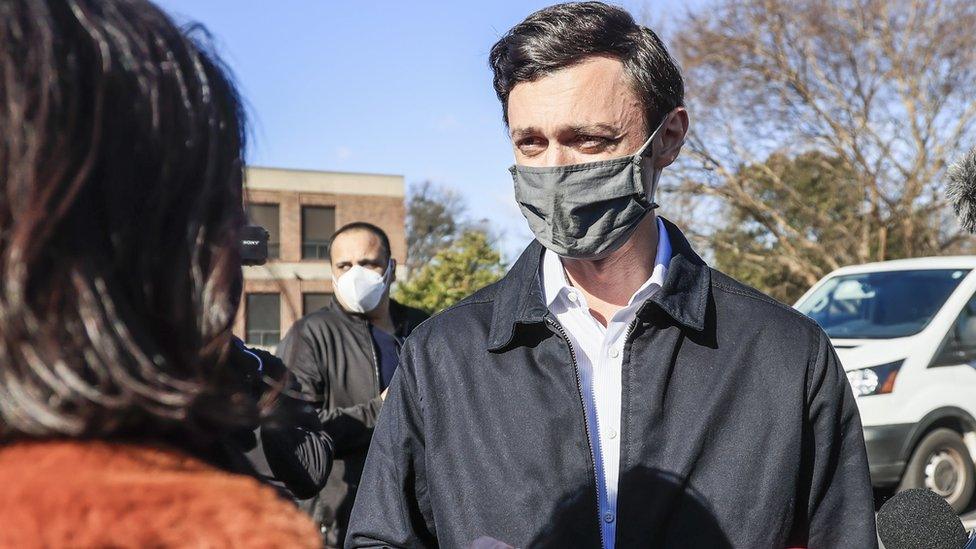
(961, 190)
(919, 519)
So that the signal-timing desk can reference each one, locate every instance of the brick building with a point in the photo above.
(301, 210)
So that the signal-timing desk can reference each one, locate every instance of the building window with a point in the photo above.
(313, 301)
(318, 226)
(266, 215)
(263, 322)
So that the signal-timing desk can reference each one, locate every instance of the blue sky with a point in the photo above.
(398, 87)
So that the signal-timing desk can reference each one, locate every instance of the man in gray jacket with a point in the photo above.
(612, 390)
(343, 357)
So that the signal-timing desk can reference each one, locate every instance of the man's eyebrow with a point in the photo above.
(587, 129)
(517, 133)
(583, 129)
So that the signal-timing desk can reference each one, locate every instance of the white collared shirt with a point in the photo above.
(599, 357)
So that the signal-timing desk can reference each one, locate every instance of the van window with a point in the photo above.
(881, 305)
(960, 343)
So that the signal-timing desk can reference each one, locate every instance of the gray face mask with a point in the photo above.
(586, 211)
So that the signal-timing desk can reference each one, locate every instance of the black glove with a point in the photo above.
(250, 367)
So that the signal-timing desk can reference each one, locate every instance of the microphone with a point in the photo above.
(961, 189)
(921, 519)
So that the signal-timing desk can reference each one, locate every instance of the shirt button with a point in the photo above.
(614, 353)
(608, 518)
(572, 297)
(612, 434)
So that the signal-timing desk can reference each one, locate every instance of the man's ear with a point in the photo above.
(672, 138)
(393, 266)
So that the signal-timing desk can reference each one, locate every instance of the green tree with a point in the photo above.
(468, 264)
(434, 220)
(745, 245)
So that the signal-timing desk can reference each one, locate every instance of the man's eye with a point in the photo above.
(531, 145)
(593, 142)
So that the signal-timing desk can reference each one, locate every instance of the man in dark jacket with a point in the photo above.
(344, 356)
(612, 390)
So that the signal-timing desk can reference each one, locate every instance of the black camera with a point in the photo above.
(254, 245)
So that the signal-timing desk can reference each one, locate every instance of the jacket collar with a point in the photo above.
(402, 321)
(398, 312)
(519, 300)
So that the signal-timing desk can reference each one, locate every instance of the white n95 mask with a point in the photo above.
(360, 289)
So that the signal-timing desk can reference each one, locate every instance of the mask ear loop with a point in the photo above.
(639, 157)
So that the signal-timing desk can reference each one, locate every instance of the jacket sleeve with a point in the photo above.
(391, 508)
(350, 427)
(297, 448)
(287, 448)
(836, 489)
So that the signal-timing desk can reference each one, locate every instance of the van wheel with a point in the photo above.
(941, 463)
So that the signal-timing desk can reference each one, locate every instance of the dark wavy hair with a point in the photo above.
(120, 211)
(379, 233)
(563, 35)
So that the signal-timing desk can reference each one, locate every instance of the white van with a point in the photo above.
(905, 332)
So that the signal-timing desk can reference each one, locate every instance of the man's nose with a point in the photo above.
(559, 155)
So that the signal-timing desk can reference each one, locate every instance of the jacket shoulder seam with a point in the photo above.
(463, 303)
(758, 296)
(436, 316)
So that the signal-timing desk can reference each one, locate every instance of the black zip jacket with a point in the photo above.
(738, 427)
(333, 358)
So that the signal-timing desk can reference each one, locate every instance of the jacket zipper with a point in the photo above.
(630, 332)
(372, 350)
(586, 423)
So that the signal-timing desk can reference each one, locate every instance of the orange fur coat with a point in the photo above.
(96, 494)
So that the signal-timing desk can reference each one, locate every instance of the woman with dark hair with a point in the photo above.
(120, 210)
